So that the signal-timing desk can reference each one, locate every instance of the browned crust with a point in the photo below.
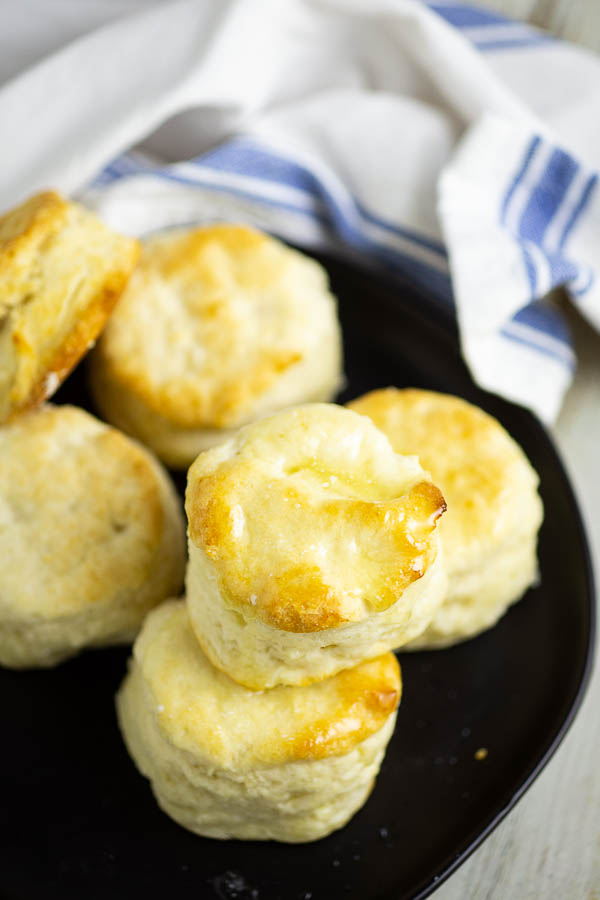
(68, 354)
(435, 413)
(287, 723)
(30, 223)
(180, 402)
(23, 234)
(483, 473)
(298, 599)
(301, 602)
(185, 407)
(368, 695)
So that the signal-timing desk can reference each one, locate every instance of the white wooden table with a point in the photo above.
(574, 20)
(549, 846)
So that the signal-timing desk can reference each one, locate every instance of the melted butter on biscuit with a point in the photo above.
(201, 707)
(313, 514)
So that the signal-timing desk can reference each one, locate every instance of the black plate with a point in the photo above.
(77, 821)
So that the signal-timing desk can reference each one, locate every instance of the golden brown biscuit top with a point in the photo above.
(202, 710)
(61, 271)
(485, 477)
(28, 231)
(211, 319)
(81, 514)
(22, 231)
(311, 520)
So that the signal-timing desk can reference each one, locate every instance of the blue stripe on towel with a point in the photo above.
(488, 30)
(527, 39)
(519, 175)
(544, 201)
(530, 269)
(340, 221)
(243, 156)
(547, 195)
(545, 319)
(563, 270)
(584, 199)
(108, 174)
(528, 339)
(461, 15)
(578, 290)
(345, 217)
(423, 240)
(314, 211)
(541, 327)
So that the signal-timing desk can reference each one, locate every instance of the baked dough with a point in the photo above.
(91, 536)
(61, 272)
(219, 326)
(494, 511)
(312, 546)
(290, 764)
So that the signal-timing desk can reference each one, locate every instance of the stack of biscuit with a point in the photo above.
(261, 705)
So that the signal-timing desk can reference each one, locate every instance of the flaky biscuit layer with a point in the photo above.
(289, 764)
(307, 532)
(61, 273)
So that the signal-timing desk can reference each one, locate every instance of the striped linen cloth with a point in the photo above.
(436, 140)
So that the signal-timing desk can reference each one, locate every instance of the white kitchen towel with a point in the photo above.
(438, 140)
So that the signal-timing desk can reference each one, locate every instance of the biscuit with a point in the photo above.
(312, 546)
(489, 533)
(290, 764)
(219, 326)
(91, 536)
(61, 272)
